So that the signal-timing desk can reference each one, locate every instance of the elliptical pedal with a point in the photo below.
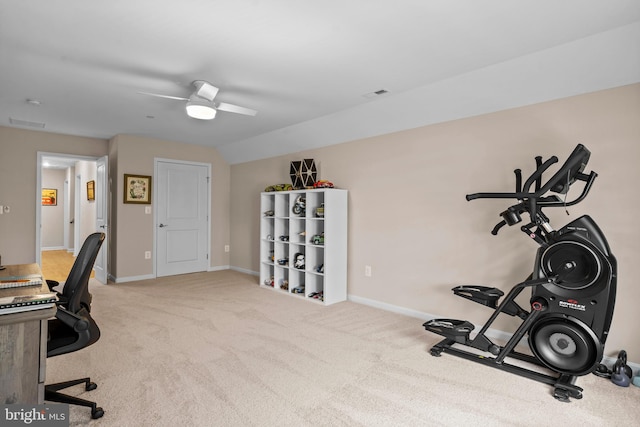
(454, 329)
(481, 294)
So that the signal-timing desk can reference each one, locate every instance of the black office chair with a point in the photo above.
(73, 328)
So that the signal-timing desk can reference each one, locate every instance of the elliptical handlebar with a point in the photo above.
(560, 182)
(537, 175)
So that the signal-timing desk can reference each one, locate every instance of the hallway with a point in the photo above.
(57, 264)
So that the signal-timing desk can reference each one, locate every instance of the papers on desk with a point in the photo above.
(16, 276)
(19, 281)
(27, 302)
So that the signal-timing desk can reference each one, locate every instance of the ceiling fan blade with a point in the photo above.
(230, 108)
(157, 95)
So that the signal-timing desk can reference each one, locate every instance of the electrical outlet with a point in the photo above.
(367, 270)
(147, 255)
(226, 248)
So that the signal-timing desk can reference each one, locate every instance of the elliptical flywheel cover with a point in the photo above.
(565, 345)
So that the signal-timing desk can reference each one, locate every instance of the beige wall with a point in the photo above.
(409, 220)
(133, 228)
(18, 163)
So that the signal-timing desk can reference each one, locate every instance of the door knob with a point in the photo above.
(163, 225)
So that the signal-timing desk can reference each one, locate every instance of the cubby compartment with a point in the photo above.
(315, 205)
(297, 229)
(297, 255)
(297, 204)
(315, 260)
(267, 273)
(267, 250)
(267, 207)
(267, 229)
(281, 205)
(281, 230)
(314, 289)
(315, 232)
(297, 282)
(310, 225)
(281, 279)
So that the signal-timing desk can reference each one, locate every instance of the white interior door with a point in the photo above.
(102, 214)
(182, 217)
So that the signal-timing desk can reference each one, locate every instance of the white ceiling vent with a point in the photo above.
(26, 123)
(379, 92)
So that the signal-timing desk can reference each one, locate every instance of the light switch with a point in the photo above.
(147, 210)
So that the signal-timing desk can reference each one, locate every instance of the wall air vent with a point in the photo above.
(376, 93)
(26, 123)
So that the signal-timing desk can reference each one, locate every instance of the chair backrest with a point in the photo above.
(76, 289)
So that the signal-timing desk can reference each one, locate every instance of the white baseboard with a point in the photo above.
(491, 333)
(390, 307)
(245, 271)
(132, 278)
(151, 276)
(53, 248)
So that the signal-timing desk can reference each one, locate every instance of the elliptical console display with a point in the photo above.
(573, 287)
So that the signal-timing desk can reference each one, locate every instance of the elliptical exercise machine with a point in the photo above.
(573, 288)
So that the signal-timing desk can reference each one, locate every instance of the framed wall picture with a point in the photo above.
(91, 190)
(49, 197)
(137, 189)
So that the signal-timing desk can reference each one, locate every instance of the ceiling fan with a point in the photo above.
(200, 104)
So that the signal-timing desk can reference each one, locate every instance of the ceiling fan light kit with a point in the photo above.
(200, 109)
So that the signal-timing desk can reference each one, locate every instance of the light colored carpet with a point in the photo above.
(214, 349)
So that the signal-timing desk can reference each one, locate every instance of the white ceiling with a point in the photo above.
(304, 65)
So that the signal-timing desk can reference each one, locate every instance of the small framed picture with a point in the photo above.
(137, 189)
(49, 197)
(91, 190)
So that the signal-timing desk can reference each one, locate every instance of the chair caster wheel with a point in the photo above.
(436, 352)
(91, 386)
(97, 413)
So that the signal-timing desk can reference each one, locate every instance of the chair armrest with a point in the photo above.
(75, 321)
(80, 323)
(52, 284)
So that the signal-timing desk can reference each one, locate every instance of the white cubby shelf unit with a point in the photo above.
(319, 234)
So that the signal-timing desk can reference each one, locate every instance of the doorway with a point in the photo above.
(62, 226)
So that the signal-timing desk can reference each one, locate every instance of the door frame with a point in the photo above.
(102, 200)
(40, 157)
(156, 191)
